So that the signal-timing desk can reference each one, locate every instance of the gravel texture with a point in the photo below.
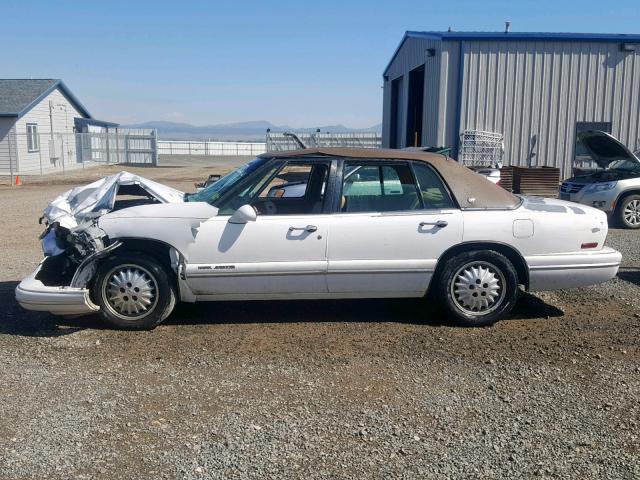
(349, 389)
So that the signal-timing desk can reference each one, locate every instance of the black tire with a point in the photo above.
(120, 278)
(628, 212)
(467, 307)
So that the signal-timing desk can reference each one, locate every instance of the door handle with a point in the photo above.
(439, 223)
(308, 228)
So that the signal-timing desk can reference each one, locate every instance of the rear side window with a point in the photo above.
(378, 188)
(432, 191)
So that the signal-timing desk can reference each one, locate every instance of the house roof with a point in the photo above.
(518, 36)
(19, 95)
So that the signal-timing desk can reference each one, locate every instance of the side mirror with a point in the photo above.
(245, 214)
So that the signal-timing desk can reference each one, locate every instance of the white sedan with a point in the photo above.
(309, 224)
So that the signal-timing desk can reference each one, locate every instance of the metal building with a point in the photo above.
(533, 90)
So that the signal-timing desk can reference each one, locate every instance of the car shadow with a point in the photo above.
(409, 311)
(630, 276)
(14, 320)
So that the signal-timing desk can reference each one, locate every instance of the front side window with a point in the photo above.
(33, 139)
(378, 188)
(215, 191)
(293, 188)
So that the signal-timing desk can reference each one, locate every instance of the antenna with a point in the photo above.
(507, 26)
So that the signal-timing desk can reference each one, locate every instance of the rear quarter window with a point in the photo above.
(434, 193)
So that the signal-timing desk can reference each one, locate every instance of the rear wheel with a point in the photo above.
(478, 288)
(629, 211)
(133, 292)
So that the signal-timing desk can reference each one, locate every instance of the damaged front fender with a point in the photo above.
(87, 269)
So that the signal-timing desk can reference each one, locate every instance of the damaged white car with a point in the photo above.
(309, 224)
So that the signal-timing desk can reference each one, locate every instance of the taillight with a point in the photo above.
(589, 245)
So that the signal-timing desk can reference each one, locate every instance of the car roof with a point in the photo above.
(384, 153)
(471, 190)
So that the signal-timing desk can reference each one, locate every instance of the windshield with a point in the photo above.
(216, 190)
(625, 165)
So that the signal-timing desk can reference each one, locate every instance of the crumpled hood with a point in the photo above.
(90, 201)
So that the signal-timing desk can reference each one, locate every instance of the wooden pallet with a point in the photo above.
(539, 181)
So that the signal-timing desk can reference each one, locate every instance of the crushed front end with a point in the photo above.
(60, 283)
(73, 242)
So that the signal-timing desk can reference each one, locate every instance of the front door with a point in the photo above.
(282, 253)
(395, 221)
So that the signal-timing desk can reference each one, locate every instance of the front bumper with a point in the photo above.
(604, 201)
(32, 294)
(569, 270)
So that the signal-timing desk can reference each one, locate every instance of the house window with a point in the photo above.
(33, 139)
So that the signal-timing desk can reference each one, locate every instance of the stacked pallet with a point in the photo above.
(539, 181)
(506, 178)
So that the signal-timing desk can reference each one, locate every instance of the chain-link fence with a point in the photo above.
(38, 153)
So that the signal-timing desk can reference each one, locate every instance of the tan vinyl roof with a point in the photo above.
(470, 189)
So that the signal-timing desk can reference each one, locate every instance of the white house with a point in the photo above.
(38, 122)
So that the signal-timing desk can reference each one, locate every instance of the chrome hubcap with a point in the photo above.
(478, 288)
(131, 291)
(632, 212)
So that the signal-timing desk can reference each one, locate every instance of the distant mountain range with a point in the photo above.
(246, 131)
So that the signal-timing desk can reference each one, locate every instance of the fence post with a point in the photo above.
(10, 155)
(106, 134)
(117, 147)
(154, 148)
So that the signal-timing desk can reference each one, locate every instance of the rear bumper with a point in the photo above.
(569, 270)
(32, 294)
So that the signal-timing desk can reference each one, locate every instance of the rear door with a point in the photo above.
(393, 221)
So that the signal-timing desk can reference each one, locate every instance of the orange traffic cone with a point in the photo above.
(18, 181)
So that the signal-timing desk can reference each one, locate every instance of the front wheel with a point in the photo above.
(629, 212)
(133, 291)
(478, 288)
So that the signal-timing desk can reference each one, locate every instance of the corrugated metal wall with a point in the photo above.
(412, 55)
(535, 92)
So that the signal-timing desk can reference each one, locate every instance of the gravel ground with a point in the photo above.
(350, 389)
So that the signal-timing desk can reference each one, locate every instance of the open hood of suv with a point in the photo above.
(604, 148)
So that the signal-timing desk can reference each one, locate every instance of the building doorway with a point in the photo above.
(396, 113)
(415, 107)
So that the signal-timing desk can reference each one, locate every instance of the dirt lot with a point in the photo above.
(351, 389)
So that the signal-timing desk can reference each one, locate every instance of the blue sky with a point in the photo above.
(298, 63)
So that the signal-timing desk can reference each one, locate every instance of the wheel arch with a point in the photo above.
(617, 213)
(625, 193)
(514, 256)
(159, 250)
